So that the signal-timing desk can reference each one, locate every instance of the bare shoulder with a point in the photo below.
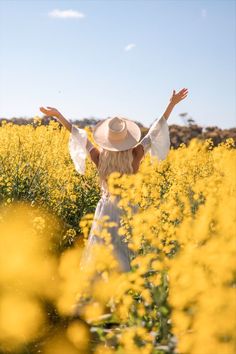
(94, 154)
(138, 151)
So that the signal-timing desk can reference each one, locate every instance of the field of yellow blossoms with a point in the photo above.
(179, 297)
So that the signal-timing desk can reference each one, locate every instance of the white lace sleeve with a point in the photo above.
(79, 148)
(157, 140)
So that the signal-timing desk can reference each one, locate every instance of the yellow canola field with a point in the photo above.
(183, 278)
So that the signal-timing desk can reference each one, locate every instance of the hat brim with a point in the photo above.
(100, 135)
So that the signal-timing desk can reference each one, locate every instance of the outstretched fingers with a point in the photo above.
(46, 111)
(184, 90)
(183, 93)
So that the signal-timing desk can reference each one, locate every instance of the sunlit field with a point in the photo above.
(180, 295)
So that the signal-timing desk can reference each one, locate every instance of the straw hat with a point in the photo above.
(116, 134)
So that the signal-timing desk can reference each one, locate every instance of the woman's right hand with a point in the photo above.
(50, 111)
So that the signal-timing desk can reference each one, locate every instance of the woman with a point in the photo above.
(121, 150)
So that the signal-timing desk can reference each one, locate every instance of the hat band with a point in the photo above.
(117, 136)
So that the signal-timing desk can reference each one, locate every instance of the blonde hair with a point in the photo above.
(114, 161)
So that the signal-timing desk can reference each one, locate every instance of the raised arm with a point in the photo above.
(53, 112)
(79, 144)
(157, 138)
(175, 98)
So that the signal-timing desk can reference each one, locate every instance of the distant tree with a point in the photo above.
(187, 120)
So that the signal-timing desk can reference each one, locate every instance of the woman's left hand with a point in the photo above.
(51, 111)
(177, 97)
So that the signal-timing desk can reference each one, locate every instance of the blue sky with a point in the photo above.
(105, 58)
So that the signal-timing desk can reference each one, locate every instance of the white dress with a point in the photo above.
(157, 143)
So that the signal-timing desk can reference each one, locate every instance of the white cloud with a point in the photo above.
(129, 47)
(203, 13)
(66, 14)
